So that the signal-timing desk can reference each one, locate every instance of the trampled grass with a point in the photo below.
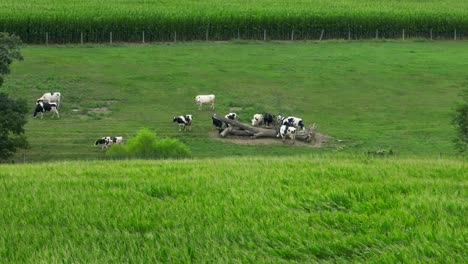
(372, 95)
(301, 209)
(68, 21)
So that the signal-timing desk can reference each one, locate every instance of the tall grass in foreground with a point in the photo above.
(273, 210)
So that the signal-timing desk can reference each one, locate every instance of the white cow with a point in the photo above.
(205, 99)
(108, 141)
(289, 131)
(50, 98)
(257, 119)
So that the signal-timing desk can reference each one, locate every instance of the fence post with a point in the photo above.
(207, 31)
(431, 33)
(349, 33)
(175, 36)
(81, 38)
(47, 38)
(292, 34)
(403, 34)
(110, 37)
(264, 35)
(455, 34)
(376, 33)
(238, 34)
(321, 34)
(143, 37)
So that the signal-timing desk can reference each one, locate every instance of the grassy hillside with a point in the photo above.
(369, 94)
(235, 210)
(65, 20)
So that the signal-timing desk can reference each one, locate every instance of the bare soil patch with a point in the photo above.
(320, 139)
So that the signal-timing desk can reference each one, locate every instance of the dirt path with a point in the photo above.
(320, 140)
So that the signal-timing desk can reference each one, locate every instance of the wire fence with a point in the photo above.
(208, 34)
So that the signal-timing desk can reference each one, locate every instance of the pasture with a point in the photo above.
(370, 95)
(235, 210)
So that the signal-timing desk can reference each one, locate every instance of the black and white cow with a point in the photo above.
(42, 107)
(292, 121)
(217, 123)
(268, 119)
(232, 116)
(108, 141)
(286, 130)
(183, 121)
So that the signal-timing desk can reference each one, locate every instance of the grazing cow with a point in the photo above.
(232, 116)
(257, 119)
(217, 123)
(289, 131)
(183, 121)
(108, 141)
(50, 98)
(268, 119)
(293, 121)
(42, 107)
(205, 99)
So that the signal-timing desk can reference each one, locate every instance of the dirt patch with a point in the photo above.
(235, 109)
(99, 110)
(320, 139)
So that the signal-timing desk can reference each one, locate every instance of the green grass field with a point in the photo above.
(398, 95)
(235, 210)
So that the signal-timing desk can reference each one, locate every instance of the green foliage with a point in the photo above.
(12, 112)
(460, 120)
(381, 152)
(12, 121)
(146, 145)
(306, 209)
(65, 20)
(9, 51)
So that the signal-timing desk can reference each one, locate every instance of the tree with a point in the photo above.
(460, 121)
(12, 112)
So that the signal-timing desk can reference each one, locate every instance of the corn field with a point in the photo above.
(69, 21)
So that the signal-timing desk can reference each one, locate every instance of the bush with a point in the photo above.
(460, 120)
(145, 145)
(381, 152)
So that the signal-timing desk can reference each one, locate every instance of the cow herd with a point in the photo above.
(288, 125)
(50, 102)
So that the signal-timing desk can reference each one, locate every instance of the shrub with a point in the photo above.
(146, 145)
(460, 120)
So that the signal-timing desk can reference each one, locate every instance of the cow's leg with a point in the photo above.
(293, 139)
(212, 106)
